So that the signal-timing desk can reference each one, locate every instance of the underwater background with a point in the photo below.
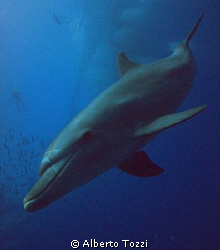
(55, 58)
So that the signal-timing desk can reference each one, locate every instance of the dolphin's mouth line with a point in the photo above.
(32, 199)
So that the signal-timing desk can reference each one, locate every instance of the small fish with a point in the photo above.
(42, 143)
(25, 141)
(56, 19)
(9, 178)
(11, 137)
(32, 152)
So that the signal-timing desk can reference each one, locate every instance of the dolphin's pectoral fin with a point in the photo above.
(168, 121)
(125, 64)
(139, 164)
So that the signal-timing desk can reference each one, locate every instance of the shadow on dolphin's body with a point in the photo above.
(117, 124)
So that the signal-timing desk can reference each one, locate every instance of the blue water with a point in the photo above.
(56, 68)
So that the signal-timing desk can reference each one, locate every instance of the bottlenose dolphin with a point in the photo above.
(117, 124)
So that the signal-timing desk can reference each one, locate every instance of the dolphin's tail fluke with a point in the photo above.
(193, 31)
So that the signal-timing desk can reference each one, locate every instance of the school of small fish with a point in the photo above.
(20, 154)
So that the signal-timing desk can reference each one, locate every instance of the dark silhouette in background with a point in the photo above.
(17, 97)
(56, 19)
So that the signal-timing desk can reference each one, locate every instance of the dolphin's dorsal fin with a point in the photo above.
(139, 164)
(125, 64)
(168, 121)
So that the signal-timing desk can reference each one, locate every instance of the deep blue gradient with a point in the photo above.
(58, 70)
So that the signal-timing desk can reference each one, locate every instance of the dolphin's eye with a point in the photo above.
(87, 135)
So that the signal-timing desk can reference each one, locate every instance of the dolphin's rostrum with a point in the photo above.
(117, 124)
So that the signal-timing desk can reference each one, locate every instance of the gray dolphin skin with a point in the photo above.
(117, 124)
